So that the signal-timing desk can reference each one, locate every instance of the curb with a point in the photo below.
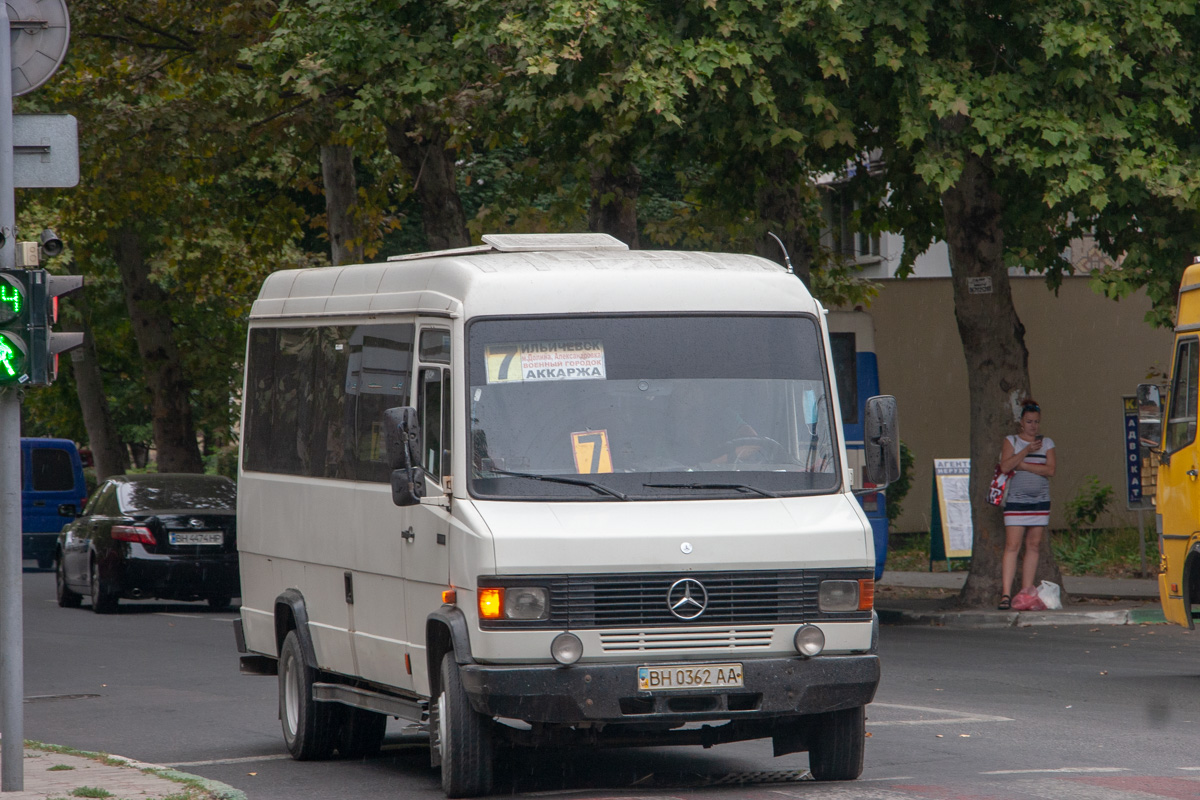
(214, 789)
(1018, 619)
(221, 791)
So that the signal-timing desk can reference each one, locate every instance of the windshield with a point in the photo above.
(640, 407)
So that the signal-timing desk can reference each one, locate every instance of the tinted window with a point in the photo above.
(315, 398)
(845, 371)
(156, 496)
(52, 470)
(1181, 420)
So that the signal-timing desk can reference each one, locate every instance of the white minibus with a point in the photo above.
(550, 491)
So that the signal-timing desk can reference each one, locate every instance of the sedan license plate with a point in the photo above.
(689, 676)
(197, 537)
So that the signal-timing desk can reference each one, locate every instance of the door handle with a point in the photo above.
(408, 534)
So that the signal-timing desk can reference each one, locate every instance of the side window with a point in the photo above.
(434, 402)
(315, 398)
(845, 372)
(52, 471)
(1181, 419)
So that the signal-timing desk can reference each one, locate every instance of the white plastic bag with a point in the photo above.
(1050, 594)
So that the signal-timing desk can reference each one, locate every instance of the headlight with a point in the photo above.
(838, 596)
(526, 602)
(523, 603)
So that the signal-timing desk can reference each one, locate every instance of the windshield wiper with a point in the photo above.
(741, 487)
(598, 487)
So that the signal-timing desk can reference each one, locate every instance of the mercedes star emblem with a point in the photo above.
(687, 598)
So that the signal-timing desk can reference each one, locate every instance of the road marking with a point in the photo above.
(957, 717)
(1059, 770)
(243, 760)
(1190, 769)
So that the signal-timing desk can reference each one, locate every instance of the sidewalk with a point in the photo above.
(1094, 601)
(57, 772)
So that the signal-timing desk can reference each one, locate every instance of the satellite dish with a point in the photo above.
(40, 30)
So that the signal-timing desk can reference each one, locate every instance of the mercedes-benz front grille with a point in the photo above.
(639, 600)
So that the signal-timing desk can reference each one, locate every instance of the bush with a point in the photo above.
(1088, 504)
(898, 489)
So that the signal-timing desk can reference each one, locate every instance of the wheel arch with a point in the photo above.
(291, 614)
(1191, 582)
(445, 631)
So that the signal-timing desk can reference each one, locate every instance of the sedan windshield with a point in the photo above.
(623, 405)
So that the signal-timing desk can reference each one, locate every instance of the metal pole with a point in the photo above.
(12, 635)
(1142, 543)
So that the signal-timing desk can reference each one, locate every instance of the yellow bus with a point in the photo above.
(1173, 442)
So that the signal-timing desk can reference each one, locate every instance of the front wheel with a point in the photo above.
(461, 737)
(67, 598)
(837, 749)
(104, 600)
(308, 729)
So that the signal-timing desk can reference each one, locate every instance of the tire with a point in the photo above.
(45, 561)
(461, 736)
(360, 733)
(308, 729)
(103, 599)
(837, 748)
(67, 598)
(220, 602)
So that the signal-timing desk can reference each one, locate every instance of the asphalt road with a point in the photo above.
(1071, 712)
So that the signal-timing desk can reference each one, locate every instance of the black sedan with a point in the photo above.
(169, 536)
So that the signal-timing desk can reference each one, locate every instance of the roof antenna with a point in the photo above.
(786, 260)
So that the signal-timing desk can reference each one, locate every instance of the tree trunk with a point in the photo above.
(613, 210)
(108, 452)
(431, 167)
(781, 207)
(993, 340)
(170, 405)
(341, 200)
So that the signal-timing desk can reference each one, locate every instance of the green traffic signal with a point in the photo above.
(12, 302)
(12, 359)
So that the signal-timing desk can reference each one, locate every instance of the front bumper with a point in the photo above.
(774, 687)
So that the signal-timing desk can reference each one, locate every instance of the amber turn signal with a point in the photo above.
(491, 601)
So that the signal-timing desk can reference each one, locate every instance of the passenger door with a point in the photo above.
(79, 535)
(1178, 485)
(426, 560)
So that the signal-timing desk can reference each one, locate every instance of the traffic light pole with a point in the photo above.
(12, 633)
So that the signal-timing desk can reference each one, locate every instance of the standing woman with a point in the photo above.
(1030, 457)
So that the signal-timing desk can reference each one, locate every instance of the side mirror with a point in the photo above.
(1150, 414)
(881, 443)
(401, 438)
(68, 510)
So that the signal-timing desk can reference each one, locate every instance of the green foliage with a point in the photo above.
(59, 768)
(1112, 552)
(91, 791)
(1088, 504)
(898, 489)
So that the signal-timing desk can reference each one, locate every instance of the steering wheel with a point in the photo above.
(765, 450)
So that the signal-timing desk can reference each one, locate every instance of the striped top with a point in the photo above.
(1025, 487)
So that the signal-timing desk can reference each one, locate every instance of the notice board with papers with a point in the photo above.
(951, 533)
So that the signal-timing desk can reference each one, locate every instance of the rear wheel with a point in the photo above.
(45, 561)
(360, 733)
(308, 729)
(462, 737)
(837, 749)
(67, 598)
(104, 601)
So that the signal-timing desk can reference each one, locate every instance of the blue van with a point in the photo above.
(52, 493)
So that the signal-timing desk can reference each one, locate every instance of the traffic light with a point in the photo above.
(16, 303)
(45, 344)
